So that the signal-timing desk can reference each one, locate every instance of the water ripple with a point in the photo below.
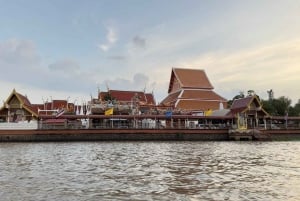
(150, 171)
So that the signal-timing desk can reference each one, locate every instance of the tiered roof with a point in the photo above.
(190, 89)
(189, 78)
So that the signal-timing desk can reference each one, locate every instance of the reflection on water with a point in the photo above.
(150, 171)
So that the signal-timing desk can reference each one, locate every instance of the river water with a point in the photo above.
(150, 171)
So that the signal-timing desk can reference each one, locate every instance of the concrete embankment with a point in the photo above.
(112, 134)
(283, 135)
(133, 134)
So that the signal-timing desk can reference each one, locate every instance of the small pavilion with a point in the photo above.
(249, 112)
(17, 108)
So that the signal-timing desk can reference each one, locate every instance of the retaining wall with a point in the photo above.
(111, 134)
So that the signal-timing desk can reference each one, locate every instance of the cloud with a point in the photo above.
(111, 39)
(139, 42)
(117, 58)
(19, 61)
(103, 47)
(139, 82)
(111, 35)
(261, 68)
(14, 52)
(66, 65)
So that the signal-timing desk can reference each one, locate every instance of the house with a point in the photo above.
(190, 90)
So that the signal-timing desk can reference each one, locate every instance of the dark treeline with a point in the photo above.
(281, 106)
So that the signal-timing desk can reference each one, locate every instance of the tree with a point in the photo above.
(240, 95)
(278, 107)
(295, 111)
(268, 106)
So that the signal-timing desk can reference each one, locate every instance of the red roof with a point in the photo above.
(150, 99)
(170, 99)
(58, 104)
(194, 99)
(241, 104)
(201, 95)
(189, 78)
(24, 99)
(129, 96)
(247, 104)
(198, 105)
(190, 89)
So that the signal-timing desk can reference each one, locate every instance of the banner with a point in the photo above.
(109, 111)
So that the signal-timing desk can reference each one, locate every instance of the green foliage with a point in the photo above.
(295, 111)
(276, 107)
(240, 95)
(279, 107)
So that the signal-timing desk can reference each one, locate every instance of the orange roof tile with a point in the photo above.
(197, 105)
(128, 96)
(201, 94)
(199, 98)
(170, 99)
(58, 104)
(150, 99)
(190, 78)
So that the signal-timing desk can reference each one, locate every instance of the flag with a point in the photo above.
(60, 112)
(208, 112)
(109, 111)
(168, 114)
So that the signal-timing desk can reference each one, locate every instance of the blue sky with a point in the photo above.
(63, 48)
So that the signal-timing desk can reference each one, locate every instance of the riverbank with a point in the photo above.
(133, 135)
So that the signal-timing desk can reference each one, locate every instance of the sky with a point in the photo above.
(66, 49)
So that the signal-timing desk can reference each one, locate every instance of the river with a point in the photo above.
(150, 171)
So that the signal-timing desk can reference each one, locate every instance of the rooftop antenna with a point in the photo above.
(107, 86)
(98, 88)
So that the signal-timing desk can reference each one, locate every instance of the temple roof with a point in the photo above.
(24, 101)
(128, 96)
(190, 89)
(246, 104)
(170, 99)
(190, 78)
(201, 95)
(197, 105)
(242, 103)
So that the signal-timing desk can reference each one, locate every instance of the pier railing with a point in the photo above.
(134, 122)
(159, 122)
